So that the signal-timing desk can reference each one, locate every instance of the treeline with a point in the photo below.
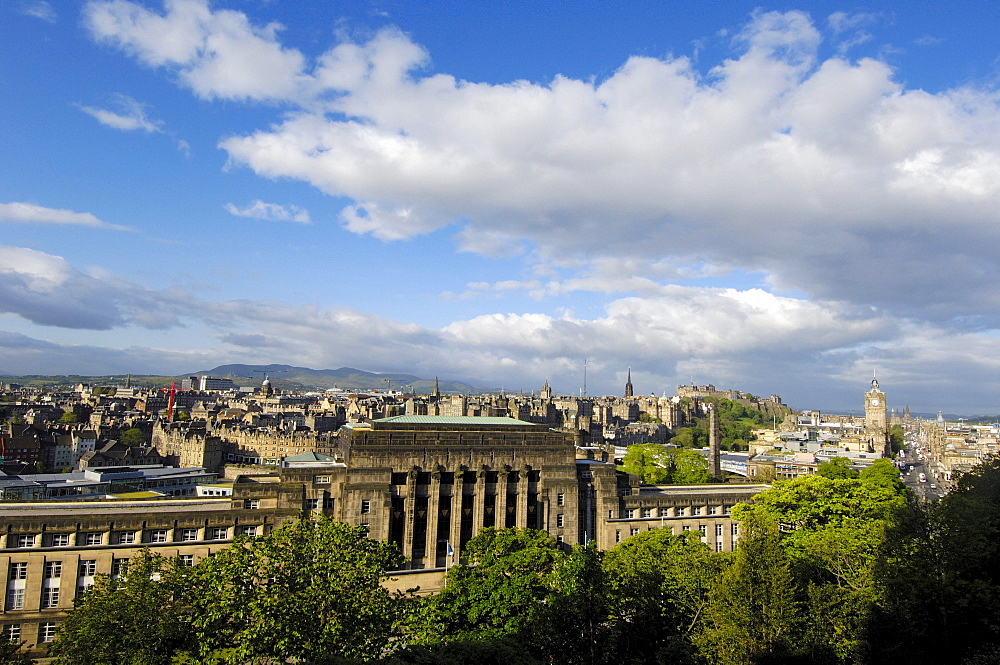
(828, 570)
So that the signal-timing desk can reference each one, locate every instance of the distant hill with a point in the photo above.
(285, 377)
(348, 378)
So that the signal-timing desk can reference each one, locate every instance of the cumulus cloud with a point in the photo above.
(218, 54)
(776, 162)
(130, 117)
(29, 213)
(271, 212)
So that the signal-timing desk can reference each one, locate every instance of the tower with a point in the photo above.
(876, 420)
(628, 384)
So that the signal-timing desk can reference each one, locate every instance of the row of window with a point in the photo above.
(18, 571)
(677, 511)
(27, 540)
(734, 530)
(46, 632)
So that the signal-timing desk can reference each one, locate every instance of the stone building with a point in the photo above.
(427, 483)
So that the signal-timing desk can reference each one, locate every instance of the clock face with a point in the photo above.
(875, 402)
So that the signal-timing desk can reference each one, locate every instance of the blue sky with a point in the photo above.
(780, 199)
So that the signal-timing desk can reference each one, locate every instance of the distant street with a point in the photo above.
(911, 477)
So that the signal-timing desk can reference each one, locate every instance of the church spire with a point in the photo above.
(628, 384)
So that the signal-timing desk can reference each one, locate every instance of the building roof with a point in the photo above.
(454, 420)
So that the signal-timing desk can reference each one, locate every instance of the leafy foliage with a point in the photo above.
(657, 464)
(138, 619)
(311, 588)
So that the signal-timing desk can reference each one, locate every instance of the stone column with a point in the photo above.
(409, 512)
(433, 511)
(521, 516)
(455, 533)
(501, 501)
(479, 503)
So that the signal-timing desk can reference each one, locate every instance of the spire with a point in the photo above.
(628, 384)
(437, 390)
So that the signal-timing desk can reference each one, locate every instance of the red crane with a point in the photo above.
(170, 402)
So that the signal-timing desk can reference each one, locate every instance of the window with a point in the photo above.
(735, 529)
(559, 520)
(647, 512)
(50, 596)
(696, 510)
(59, 540)
(125, 537)
(189, 534)
(703, 529)
(46, 632)
(24, 540)
(311, 504)
(664, 512)
(218, 533)
(92, 538)
(560, 499)
(629, 513)
(53, 569)
(119, 567)
(328, 503)
(611, 514)
(15, 599)
(88, 568)
(366, 506)
(247, 530)
(18, 571)
(251, 504)
(713, 510)
(686, 527)
(618, 536)
(726, 508)
(559, 539)
(11, 632)
(186, 560)
(83, 588)
(718, 546)
(680, 511)
(321, 480)
(634, 531)
(718, 529)
(158, 536)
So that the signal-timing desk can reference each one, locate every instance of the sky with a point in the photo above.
(781, 199)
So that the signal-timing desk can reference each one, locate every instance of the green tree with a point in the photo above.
(690, 437)
(69, 417)
(753, 614)
(836, 467)
(573, 620)
(133, 437)
(498, 594)
(689, 467)
(309, 591)
(137, 619)
(15, 653)
(896, 438)
(658, 588)
(833, 533)
(650, 461)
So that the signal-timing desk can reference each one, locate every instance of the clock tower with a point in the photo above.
(876, 420)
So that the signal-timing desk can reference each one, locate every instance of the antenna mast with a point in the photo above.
(584, 377)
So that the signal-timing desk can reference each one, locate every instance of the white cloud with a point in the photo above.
(40, 9)
(271, 212)
(132, 116)
(29, 213)
(218, 54)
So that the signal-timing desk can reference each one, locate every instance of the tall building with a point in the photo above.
(628, 384)
(876, 428)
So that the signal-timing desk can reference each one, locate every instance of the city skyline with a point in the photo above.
(776, 201)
